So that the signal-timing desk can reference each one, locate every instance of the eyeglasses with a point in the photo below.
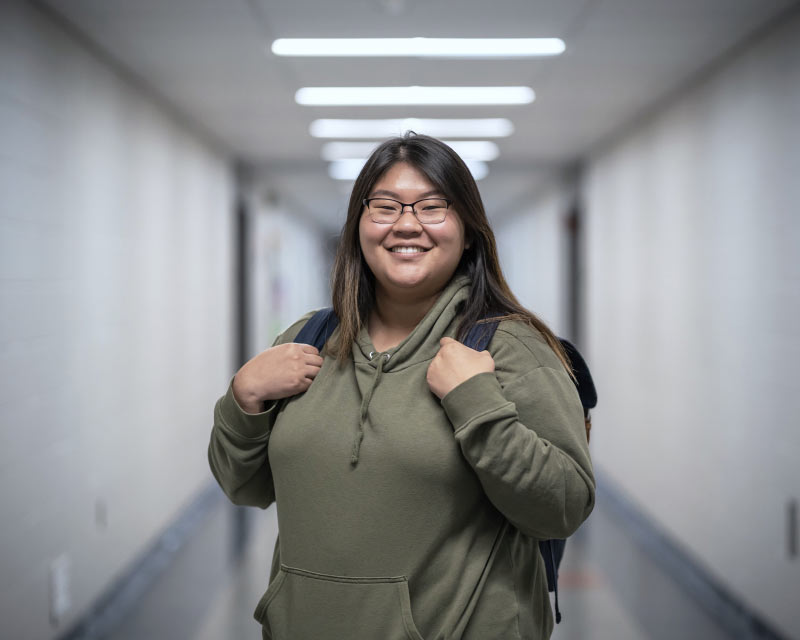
(388, 211)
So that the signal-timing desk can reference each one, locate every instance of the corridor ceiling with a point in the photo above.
(210, 61)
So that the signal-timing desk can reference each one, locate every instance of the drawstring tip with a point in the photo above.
(356, 449)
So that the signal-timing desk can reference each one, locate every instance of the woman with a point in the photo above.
(413, 476)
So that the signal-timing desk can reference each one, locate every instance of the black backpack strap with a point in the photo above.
(318, 328)
(551, 551)
(583, 378)
(480, 335)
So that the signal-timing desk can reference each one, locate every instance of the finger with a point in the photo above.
(445, 341)
(314, 360)
(311, 372)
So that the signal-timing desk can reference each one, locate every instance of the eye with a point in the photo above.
(433, 205)
(383, 205)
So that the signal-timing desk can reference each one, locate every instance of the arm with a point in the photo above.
(237, 452)
(521, 429)
(245, 415)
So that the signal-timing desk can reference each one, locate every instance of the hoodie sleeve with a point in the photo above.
(521, 429)
(238, 451)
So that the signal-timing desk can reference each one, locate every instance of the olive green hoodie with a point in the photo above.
(402, 516)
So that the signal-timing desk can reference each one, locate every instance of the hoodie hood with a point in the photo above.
(423, 342)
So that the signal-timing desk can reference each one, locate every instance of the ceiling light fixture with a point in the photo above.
(483, 150)
(346, 168)
(371, 96)
(436, 127)
(349, 168)
(420, 47)
(340, 150)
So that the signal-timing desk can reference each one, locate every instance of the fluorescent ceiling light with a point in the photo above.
(349, 168)
(467, 149)
(420, 47)
(368, 96)
(436, 127)
(341, 150)
(346, 168)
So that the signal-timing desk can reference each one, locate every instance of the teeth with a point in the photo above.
(407, 249)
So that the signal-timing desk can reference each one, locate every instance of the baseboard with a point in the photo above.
(121, 596)
(729, 611)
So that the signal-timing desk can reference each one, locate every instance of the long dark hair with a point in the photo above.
(352, 282)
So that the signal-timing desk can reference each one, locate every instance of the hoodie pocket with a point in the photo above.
(305, 604)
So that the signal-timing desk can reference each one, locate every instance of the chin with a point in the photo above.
(423, 287)
(406, 278)
(409, 284)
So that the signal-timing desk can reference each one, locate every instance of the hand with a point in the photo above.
(278, 372)
(455, 364)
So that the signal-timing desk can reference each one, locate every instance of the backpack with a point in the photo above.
(322, 324)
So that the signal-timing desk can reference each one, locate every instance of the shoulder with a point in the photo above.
(290, 333)
(517, 342)
(528, 369)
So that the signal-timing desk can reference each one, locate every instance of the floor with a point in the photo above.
(608, 588)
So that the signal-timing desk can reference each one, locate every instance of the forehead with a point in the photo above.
(403, 177)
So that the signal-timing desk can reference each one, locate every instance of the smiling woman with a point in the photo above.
(413, 476)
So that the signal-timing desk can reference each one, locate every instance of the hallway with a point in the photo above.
(173, 192)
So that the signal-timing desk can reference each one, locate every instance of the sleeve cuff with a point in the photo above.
(248, 425)
(473, 398)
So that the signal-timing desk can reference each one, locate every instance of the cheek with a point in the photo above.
(364, 236)
(369, 240)
(456, 238)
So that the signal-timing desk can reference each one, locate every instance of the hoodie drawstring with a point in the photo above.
(384, 357)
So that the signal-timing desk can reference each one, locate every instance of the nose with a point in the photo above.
(407, 220)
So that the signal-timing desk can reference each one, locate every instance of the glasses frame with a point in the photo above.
(403, 205)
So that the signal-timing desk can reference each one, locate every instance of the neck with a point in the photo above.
(393, 319)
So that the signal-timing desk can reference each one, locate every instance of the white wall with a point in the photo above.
(533, 254)
(116, 334)
(287, 268)
(693, 297)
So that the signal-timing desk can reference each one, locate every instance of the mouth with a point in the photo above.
(408, 250)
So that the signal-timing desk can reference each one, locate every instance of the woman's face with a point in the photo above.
(408, 259)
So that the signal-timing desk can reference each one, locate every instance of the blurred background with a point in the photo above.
(170, 200)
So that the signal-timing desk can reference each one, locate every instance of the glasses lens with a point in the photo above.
(431, 210)
(384, 211)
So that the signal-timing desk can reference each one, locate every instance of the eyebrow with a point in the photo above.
(392, 194)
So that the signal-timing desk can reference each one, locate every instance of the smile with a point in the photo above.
(407, 250)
